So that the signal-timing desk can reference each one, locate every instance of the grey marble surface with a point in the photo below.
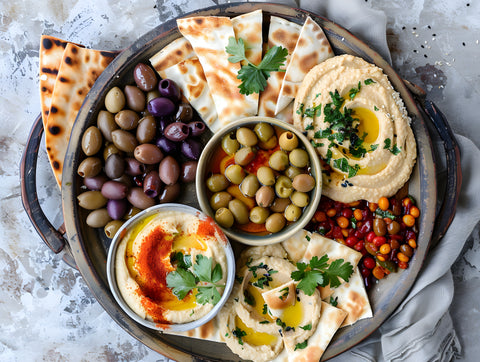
(46, 310)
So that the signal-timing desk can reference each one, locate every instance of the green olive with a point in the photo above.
(300, 199)
(230, 144)
(266, 176)
(114, 100)
(244, 156)
(292, 171)
(275, 222)
(239, 210)
(98, 218)
(303, 182)
(92, 141)
(246, 137)
(235, 174)
(283, 187)
(278, 160)
(224, 217)
(265, 196)
(112, 227)
(268, 144)
(258, 215)
(288, 141)
(293, 212)
(249, 185)
(91, 200)
(220, 199)
(264, 131)
(217, 182)
(279, 204)
(299, 157)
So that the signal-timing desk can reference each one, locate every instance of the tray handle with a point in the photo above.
(52, 237)
(448, 207)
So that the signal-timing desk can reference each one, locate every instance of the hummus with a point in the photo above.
(150, 251)
(359, 126)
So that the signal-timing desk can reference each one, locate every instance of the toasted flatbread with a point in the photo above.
(249, 28)
(50, 57)
(311, 49)
(209, 36)
(282, 33)
(79, 69)
(178, 62)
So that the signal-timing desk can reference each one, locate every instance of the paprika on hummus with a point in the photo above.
(359, 126)
(171, 243)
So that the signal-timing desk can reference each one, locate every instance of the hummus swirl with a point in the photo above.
(360, 128)
(145, 257)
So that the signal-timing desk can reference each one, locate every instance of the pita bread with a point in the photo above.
(209, 37)
(79, 69)
(282, 33)
(311, 49)
(50, 57)
(178, 62)
(249, 27)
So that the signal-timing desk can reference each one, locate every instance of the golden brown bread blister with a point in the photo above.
(78, 71)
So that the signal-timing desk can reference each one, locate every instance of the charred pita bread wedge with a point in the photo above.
(312, 349)
(249, 28)
(50, 57)
(311, 49)
(79, 69)
(209, 37)
(178, 62)
(282, 33)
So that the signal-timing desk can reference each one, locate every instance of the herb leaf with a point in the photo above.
(181, 281)
(254, 77)
(319, 273)
(302, 345)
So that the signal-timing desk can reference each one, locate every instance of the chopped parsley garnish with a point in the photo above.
(307, 237)
(302, 345)
(312, 112)
(395, 149)
(315, 144)
(334, 301)
(354, 222)
(384, 214)
(254, 77)
(237, 332)
(264, 322)
(373, 147)
(264, 309)
(248, 298)
(263, 280)
(183, 280)
(369, 81)
(353, 92)
(309, 127)
(280, 323)
(343, 165)
(285, 291)
(307, 327)
(182, 261)
(319, 273)
(375, 108)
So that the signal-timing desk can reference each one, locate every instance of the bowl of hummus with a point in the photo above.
(171, 268)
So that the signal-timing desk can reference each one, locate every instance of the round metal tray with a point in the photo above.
(89, 247)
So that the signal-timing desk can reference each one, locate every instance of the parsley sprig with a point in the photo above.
(202, 277)
(319, 273)
(254, 77)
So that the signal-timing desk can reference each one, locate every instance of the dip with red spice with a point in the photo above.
(160, 244)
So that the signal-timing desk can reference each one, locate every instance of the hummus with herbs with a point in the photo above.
(359, 126)
(171, 267)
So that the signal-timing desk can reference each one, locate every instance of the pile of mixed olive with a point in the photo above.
(260, 180)
(384, 232)
(144, 145)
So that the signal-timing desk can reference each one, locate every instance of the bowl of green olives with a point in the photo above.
(260, 179)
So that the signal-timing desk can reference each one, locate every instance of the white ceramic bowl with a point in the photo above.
(249, 238)
(111, 272)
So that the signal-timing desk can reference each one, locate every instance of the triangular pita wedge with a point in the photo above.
(50, 57)
(296, 245)
(352, 297)
(320, 245)
(209, 37)
(249, 28)
(331, 319)
(311, 49)
(79, 69)
(282, 33)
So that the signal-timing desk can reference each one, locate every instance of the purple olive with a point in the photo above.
(114, 190)
(133, 167)
(163, 122)
(166, 145)
(161, 106)
(196, 128)
(189, 171)
(117, 208)
(95, 183)
(169, 89)
(152, 184)
(191, 148)
(114, 165)
(177, 131)
(137, 198)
